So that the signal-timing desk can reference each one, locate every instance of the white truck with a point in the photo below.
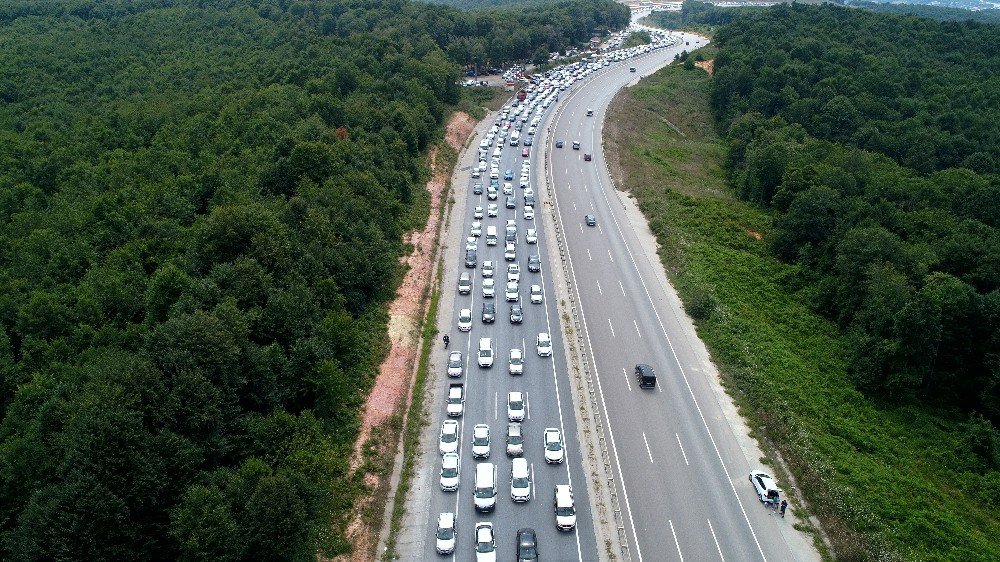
(456, 399)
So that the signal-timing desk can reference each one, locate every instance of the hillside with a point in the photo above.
(201, 213)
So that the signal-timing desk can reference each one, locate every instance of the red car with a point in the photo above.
(525, 153)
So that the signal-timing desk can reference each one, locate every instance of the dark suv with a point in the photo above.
(645, 376)
(534, 264)
(516, 315)
(527, 545)
(470, 258)
(489, 312)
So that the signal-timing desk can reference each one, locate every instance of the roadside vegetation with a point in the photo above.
(907, 474)
(202, 206)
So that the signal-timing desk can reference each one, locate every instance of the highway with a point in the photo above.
(681, 471)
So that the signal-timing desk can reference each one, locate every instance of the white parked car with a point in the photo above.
(477, 229)
(529, 214)
(448, 438)
(552, 440)
(513, 272)
(492, 210)
(515, 365)
(508, 252)
(520, 480)
(508, 188)
(515, 406)
(477, 213)
(465, 320)
(445, 534)
(450, 468)
(765, 486)
(488, 269)
(481, 441)
(486, 545)
(536, 294)
(489, 288)
(532, 236)
(543, 345)
(455, 364)
(472, 243)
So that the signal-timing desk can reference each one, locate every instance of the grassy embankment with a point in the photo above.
(879, 478)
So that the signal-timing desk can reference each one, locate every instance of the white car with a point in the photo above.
(481, 441)
(486, 546)
(520, 480)
(536, 294)
(528, 192)
(472, 243)
(476, 172)
(508, 252)
(515, 406)
(515, 440)
(512, 294)
(489, 288)
(508, 188)
(543, 345)
(477, 229)
(450, 468)
(531, 237)
(488, 269)
(552, 440)
(455, 364)
(445, 534)
(513, 272)
(515, 364)
(448, 439)
(765, 486)
(492, 210)
(529, 214)
(565, 507)
(477, 213)
(465, 320)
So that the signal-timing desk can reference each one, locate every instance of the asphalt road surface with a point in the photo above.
(682, 475)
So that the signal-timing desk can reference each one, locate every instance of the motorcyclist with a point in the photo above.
(446, 341)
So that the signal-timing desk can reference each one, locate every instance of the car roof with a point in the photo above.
(446, 519)
(514, 395)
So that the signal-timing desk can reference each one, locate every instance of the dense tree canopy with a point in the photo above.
(865, 133)
(201, 210)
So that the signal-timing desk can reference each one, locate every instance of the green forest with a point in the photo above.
(201, 209)
(871, 140)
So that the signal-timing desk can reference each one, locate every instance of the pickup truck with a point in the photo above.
(456, 399)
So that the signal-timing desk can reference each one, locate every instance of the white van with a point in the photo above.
(485, 496)
(491, 235)
(485, 352)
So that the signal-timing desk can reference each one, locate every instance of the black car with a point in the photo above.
(511, 203)
(489, 312)
(559, 144)
(470, 258)
(477, 189)
(534, 264)
(527, 545)
(587, 157)
(516, 316)
(591, 220)
(527, 141)
(645, 376)
(529, 200)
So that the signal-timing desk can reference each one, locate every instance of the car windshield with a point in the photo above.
(516, 405)
(515, 360)
(481, 440)
(527, 552)
(484, 547)
(520, 482)
(515, 439)
(445, 534)
(485, 353)
(553, 445)
(449, 472)
(565, 511)
(483, 493)
(455, 362)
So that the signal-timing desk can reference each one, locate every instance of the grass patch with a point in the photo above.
(887, 482)
(479, 100)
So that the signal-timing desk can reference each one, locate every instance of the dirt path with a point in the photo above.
(392, 386)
